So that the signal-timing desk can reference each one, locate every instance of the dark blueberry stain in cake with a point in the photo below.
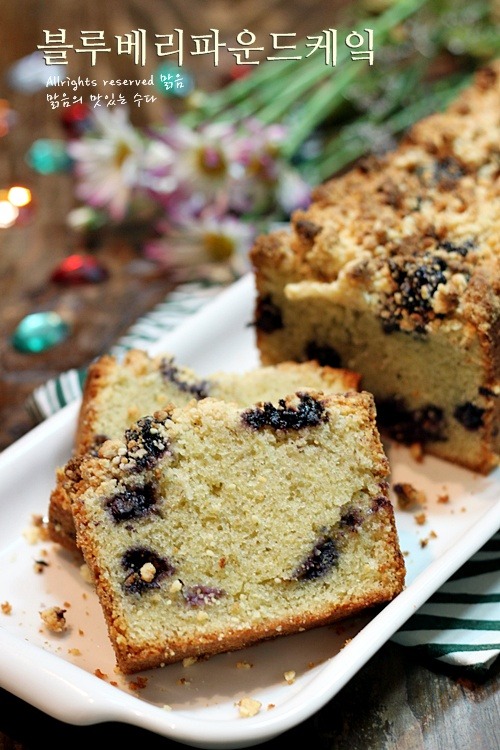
(133, 502)
(268, 317)
(322, 558)
(423, 425)
(306, 229)
(327, 550)
(447, 172)
(462, 248)
(469, 415)
(170, 372)
(416, 283)
(323, 354)
(145, 444)
(487, 392)
(132, 562)
(390, 325)
(201, 595)
(381, 501)
(351, 519)
(309, 412)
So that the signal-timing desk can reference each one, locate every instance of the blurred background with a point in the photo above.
(144, 144)
(109, 205)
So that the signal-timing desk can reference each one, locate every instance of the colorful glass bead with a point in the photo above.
(40, 331)
(76, 119)
(48, 156)
(239, 71)
(80, 269)
(7, 117)
(172, 81)
(30, 73)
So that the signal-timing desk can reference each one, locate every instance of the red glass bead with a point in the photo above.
(75, 119)
(80, 269)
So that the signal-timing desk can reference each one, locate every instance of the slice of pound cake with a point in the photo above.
(212, 527)
(394, 272)
(117, 393)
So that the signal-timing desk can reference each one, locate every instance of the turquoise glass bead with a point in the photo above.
(40, 331)
(48, 156)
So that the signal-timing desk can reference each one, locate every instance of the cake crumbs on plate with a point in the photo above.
(408, 496)
(417, 452)
(138, 684)
(290, 676)
(54, 619)
(85, 573)
(443, 498)
(74, 652)
(99, 673)
(243, 665)
(37, 532)
(425, 542)
(189, 661)
(248, 707)
(420, 518)
(40, 565)
(6, 608)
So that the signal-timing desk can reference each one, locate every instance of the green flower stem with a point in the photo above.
(346, 147)
(280, 94)
(280, 106)
(320, 105)
(239, 91)
(244, 97)
(290, 80)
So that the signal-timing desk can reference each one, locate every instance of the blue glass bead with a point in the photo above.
(40, 331)
(47, 156)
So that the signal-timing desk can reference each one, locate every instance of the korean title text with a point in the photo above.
(176, 45)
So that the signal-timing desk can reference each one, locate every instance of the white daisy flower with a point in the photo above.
(107, 163)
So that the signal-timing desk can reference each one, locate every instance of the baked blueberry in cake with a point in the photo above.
(249, 523)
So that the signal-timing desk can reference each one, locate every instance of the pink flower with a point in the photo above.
(202, 157)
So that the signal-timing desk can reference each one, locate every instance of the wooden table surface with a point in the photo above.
(395, 700)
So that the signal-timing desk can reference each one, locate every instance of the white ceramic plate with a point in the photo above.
(71, 675)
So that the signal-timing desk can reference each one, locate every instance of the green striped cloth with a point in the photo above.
(458, 625)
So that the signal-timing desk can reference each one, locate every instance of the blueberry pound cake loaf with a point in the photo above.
(117, 393)
(212, 527)
(394, 271)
